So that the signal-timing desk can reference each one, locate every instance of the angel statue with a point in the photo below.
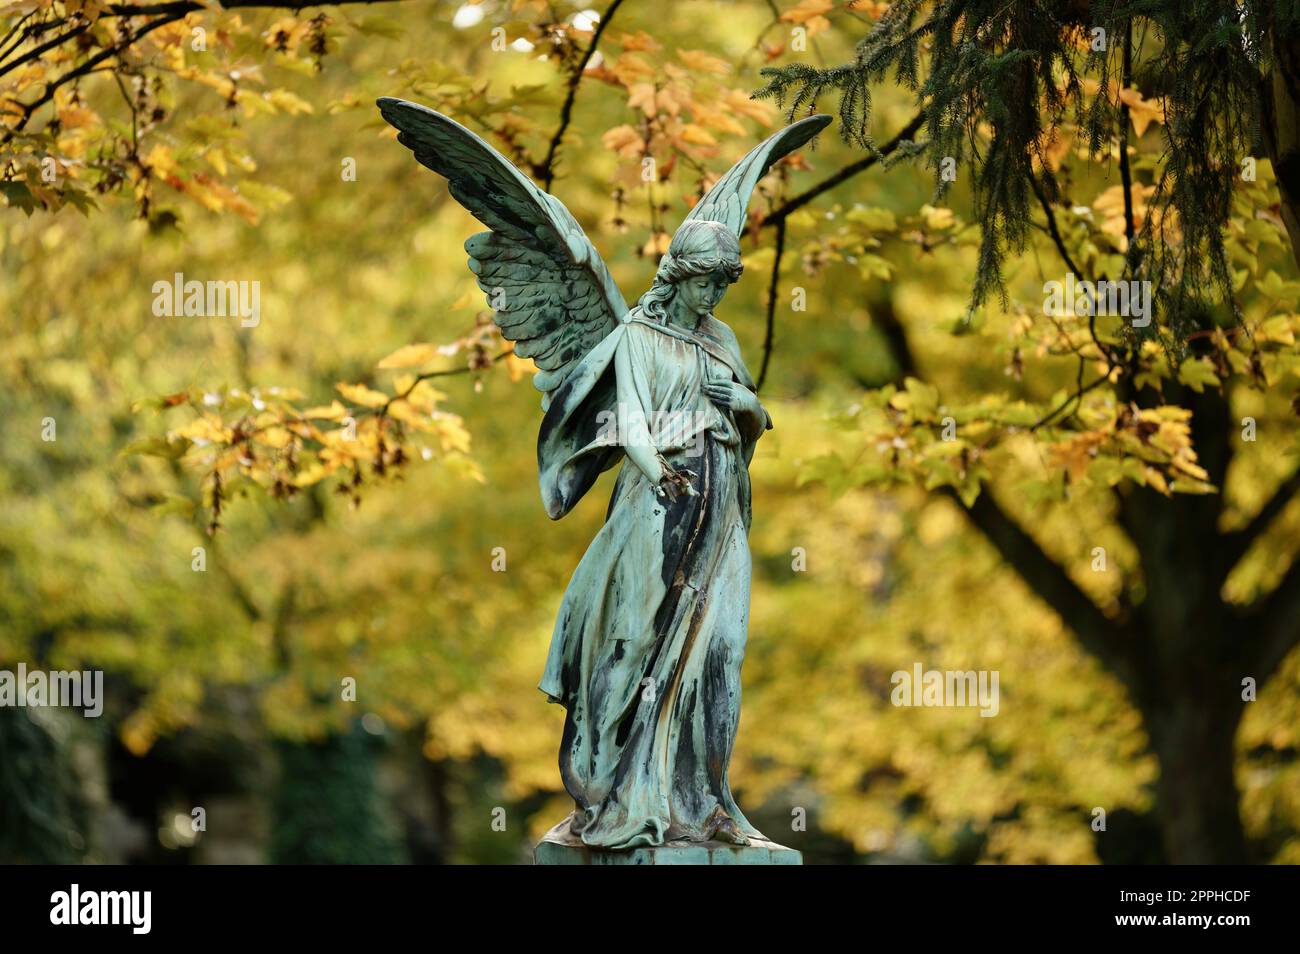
(645, 656)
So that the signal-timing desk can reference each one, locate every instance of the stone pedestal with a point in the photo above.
(561, 847)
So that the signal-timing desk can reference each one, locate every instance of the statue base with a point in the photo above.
(560, 846)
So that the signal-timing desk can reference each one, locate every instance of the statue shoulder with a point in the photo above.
(641, 327)
(722, 332)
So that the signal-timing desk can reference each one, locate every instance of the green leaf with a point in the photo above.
(1196, 373)
(873, 219)
(376, 25)
(19, 196)
(924, 399)
(969, 490)
(177, 504)
(157, 447)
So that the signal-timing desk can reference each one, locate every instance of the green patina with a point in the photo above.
(648, 644)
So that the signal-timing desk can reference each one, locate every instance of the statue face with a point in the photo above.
(700, 294)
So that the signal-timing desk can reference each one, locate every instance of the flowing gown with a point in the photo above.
(647, 648)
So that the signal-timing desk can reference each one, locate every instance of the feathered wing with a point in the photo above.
(551, 293)
(728, 201)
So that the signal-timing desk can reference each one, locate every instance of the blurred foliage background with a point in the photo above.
(223, 685)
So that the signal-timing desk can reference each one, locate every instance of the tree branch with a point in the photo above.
(1125, 173)
(1112, 642)
(1052, 228)
(772, 291)
(1277, 618)
(29, 109)
(566, 112)
(798, 202)
(18, 32)
(45, 47)
(1080, 389)
(1102, 637)
(779, 216)
(183, 7)
(1059, 241)
(1237, 542)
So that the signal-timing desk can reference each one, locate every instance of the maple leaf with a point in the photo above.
(410, 356)
(1143, 112)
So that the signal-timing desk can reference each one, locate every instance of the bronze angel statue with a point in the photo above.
(646, 651)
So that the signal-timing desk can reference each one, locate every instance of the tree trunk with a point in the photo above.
(1279, 128)
(1197, 803)
(1189, 650)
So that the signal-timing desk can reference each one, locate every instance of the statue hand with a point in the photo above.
(731, 396)
(675, 483)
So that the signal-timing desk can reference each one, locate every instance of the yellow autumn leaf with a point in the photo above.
(410, 356)
(657, 245)
(287, 102)
(696, 135)
(77, 117)
(451, 433)
(806, 10)
(667, 101)
(1143, 112)
(937, 219)
(740, 102)
(1277, 330)
(404, 412)
(638, 41)
(228, 198)
(642, 96)
(360, 394)
(206, 429)
(629, 68)
(160, 159)
(517, 367)
(875, 9)
(704, 62)
(623, 140)
(276, 437)
(334, 411)
(1156, 480)
(723, 122)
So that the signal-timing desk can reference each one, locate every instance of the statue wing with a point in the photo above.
(728, 201)
(557, 299)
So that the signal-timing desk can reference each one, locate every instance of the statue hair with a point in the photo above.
(700, 247)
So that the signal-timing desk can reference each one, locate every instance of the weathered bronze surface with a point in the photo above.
(647, 648)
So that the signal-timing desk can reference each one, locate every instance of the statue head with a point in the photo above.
(702, 260)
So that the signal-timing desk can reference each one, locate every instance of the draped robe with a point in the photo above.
(647, 648)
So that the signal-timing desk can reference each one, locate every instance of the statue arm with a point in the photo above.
(633, 398)
(751, 416)
(754, 420)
